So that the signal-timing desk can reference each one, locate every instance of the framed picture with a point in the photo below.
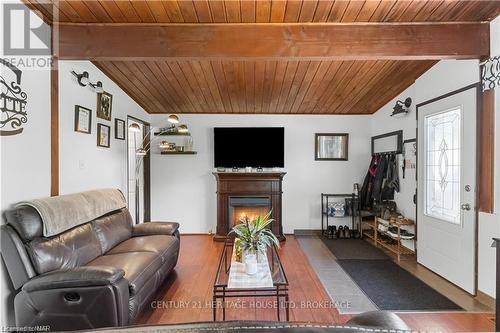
(83, 119)
(104, 104)
(119, 129)
(103, 132)
(331, 146)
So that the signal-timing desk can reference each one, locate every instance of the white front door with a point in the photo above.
(446, 217)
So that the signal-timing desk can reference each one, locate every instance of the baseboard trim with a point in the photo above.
(485, 299)
(307, 232)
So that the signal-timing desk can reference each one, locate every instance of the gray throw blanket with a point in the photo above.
(64, 212)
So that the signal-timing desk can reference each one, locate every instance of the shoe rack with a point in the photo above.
(387, 240)
(352, 212)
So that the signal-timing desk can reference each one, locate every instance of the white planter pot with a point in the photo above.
(251, 264)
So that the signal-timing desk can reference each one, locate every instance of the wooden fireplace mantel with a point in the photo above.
(258, 184)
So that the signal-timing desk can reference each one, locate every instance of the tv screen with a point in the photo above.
(249, 147)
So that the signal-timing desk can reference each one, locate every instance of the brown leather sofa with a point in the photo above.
(99, 274)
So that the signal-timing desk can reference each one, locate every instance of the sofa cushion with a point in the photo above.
(164, 246)
(139, 267)
(70, 249)
(113, 229)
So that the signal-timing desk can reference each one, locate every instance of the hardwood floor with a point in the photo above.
(188, 292)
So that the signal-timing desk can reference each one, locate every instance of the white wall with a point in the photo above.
(183, 187)
(442, 78)
(84, 165)
(25, 160)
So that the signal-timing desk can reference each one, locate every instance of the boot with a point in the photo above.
(340, 232)
(347, 232)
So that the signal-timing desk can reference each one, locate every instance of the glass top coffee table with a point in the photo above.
(232, 282)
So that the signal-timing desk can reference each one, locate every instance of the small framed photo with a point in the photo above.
(119, 129)
(104, 104)
(331, 146)
(103, 132)
(83, 119)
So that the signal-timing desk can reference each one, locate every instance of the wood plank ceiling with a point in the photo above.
(283, 86)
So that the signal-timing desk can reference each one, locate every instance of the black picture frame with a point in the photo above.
(103, 135)
(104, 105)
(119, 131)
(78, 128)
(343, 155)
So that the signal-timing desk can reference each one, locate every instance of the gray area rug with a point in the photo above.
(391, 287)
(353, 249)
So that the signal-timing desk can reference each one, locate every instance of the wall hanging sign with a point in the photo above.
(12, 100)
(104, 104)
(83, 119)
(103, 132)
(409, 155)
(331, 146)
(119, 129)
(490, 73)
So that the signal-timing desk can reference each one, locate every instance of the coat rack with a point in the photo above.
(398, 137)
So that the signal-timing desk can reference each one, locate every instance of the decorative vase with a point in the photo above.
(250, 263)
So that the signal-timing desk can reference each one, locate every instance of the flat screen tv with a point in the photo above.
(258, 147)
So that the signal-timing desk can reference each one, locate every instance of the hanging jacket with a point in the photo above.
(390, 182)
(379, 178)
(365, 194)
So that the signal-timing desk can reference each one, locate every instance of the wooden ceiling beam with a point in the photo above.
(268, 41)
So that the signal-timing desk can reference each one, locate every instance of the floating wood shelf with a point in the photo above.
(179, 153)
(171, 134)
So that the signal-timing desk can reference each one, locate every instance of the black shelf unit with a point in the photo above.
(326, 198)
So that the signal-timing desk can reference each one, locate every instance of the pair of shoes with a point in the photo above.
(343, 232)
(404, 234)
(332, 231)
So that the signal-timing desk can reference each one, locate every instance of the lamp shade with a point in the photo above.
(134, 127)
(173, 119)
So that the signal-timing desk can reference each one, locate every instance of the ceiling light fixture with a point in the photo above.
(401, 108)
(83, 78)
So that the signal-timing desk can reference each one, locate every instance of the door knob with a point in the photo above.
(466, 206)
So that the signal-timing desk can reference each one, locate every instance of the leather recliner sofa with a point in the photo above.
(98, 274)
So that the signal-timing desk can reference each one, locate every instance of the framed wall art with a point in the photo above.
(103, 132)
(331, 146)
(104, 104)
(83, 119)
(119, 129)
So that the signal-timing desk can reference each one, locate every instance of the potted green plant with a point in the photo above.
(254, 237)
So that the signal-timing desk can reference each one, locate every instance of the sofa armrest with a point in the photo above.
(75, 277)
(155, 228)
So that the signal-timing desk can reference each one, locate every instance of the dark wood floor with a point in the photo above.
(188, 292)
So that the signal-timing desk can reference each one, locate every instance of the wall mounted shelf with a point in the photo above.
(179, 153)
(171, 134)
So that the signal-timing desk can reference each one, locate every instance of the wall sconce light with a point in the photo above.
(83, 78)
(173, 119)
(134, 127)
(183, 129)
(401, 108)
(97, 86)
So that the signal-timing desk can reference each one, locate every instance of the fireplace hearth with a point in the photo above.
(248, 194)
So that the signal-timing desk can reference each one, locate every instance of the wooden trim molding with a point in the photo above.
(487, 152)
(54, 127)
(268, 41)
